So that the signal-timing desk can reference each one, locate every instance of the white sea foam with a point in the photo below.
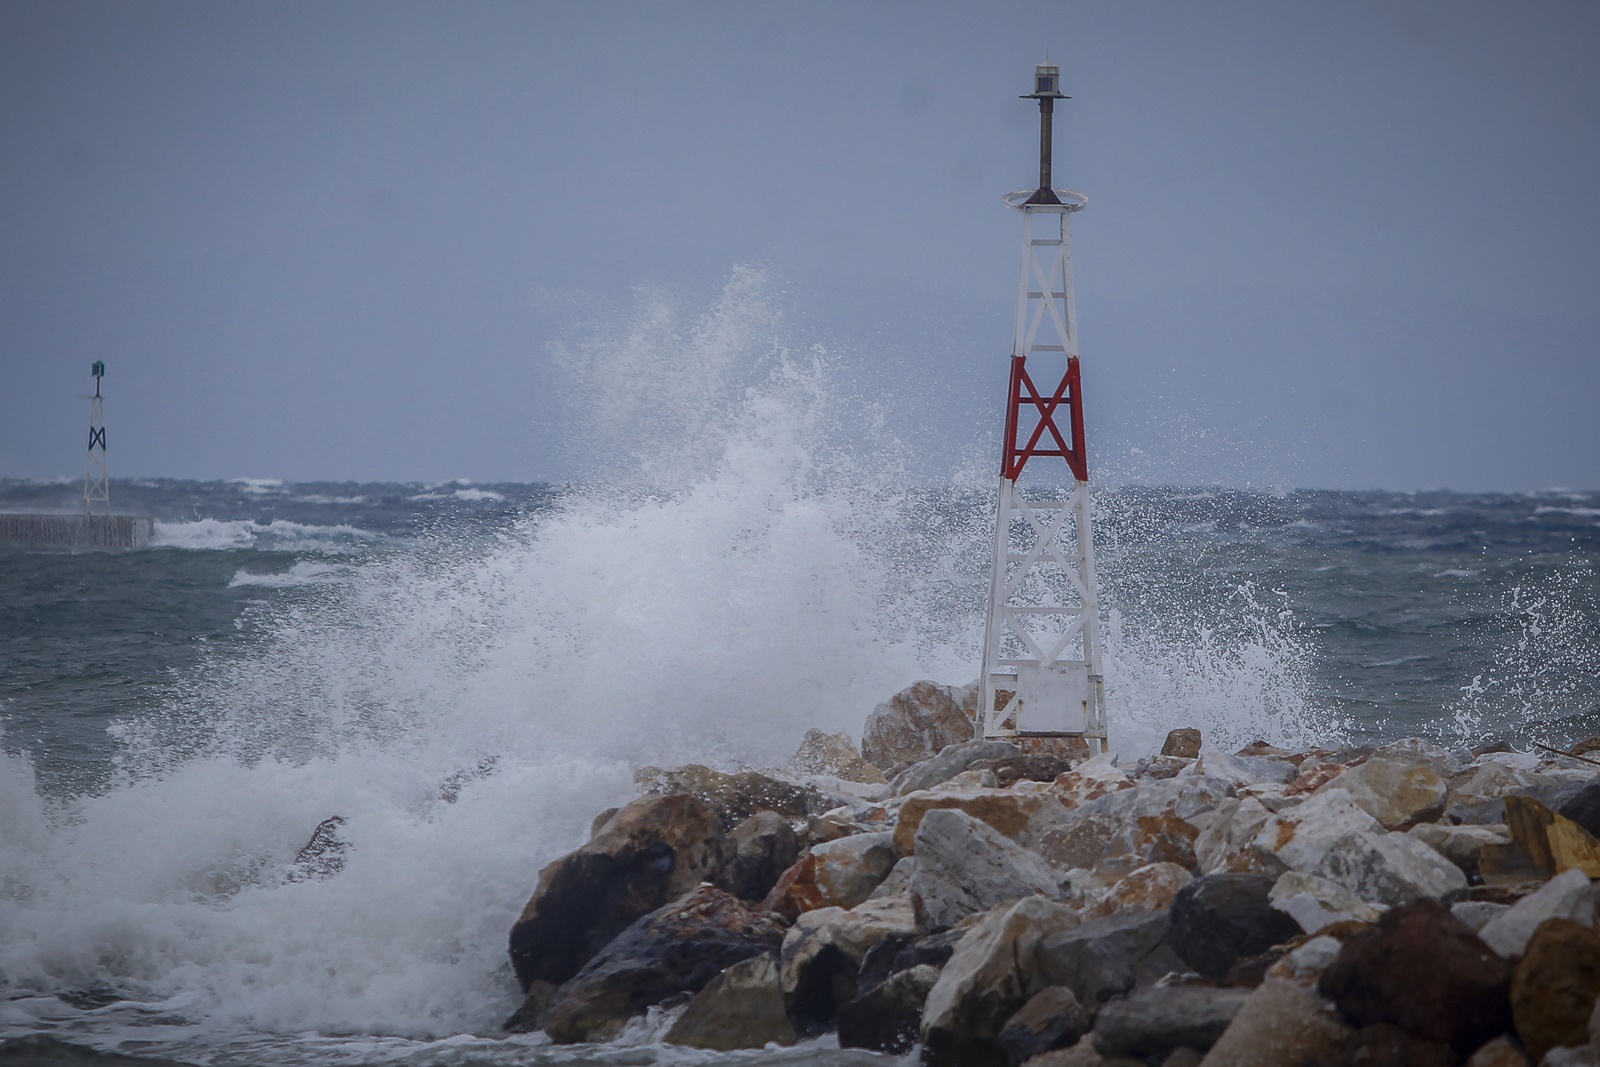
(477, 495)
(301, 573)
(258, 486)
(278, 535)
(739, 576)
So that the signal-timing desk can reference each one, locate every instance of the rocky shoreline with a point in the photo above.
(1000, 904)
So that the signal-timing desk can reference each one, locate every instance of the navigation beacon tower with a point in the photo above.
(97, 479)
(1041, 645)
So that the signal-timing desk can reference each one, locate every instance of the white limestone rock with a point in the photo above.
(963, 866)
(1246, 770)
(1316, 903)
(1396, 792)
(1389, 869)
(1300, 836)
(1566, 896)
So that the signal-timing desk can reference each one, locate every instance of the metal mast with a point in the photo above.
(1041, 647)
(97, 480)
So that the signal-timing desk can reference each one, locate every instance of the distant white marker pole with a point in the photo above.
(97, 480)
(1041, 646)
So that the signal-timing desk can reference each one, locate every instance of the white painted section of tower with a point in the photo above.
(1041, 649)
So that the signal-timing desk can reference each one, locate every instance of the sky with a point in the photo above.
(1349, 245)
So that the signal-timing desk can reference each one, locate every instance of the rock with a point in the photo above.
(1071, 750)
(916, 723)
(1398, 793)
(1501, 1052)
(1583, 807)
(886, 1017)
(1316, 902)
(834, 754)
(1543, 844)
(1023, 817)
(1387, 1045)
(949, 762)
(323, 855)
(1566, 896)
(651, 852)
(1052, 1018)
(741, 1008)
(1555, 985)
(1227, 843)
(1105, 958)
(901, 952)
(1080, 842)
(1153, 1023)
(1097, 837)
(1311, 958)
(1027, 767)
(849, 869)
(1161, 768)
(1422, 969)
(964, 866)
(1188, 797)
(1091, 780)
(735, 797)
(1247, 770)
(1149, 888)
(1569, 1057)
(1220, 918)
(898, 880)
(758, 851)
(994, 970)
(1183, 742)
(823, 951)
(1082, 1054)
(601, 821)
(1477, 913)
(675, 949)
(1314, 774)
(1389, 869)
(1283, 1024)
(1461, 845)
(1301, 835)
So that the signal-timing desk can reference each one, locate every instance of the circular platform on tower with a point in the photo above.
(1071, 200)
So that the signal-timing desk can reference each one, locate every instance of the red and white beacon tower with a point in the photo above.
(1041, 646)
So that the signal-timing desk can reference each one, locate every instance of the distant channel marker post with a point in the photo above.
(1041, 647)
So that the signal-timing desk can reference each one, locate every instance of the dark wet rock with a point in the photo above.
(916, 723)
(1554, 987)
(1183, 742)
(1052, 1018)
(323, 855)
(1028, 767)
(758, 851)
(885, 1017)
(45, 1050)
(1221, 918)
(1108, 957)
(736, 796)
(679, 948)
(951, 761)
(1387, 1045)
(1424, 970)
(1500, 745)
(1153, 1023)
(901, 952)
(741, 1008)
(1583, 807)
(822, 953)
(651, 852)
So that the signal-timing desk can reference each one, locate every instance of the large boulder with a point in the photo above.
(1421, 969)
(741, 1008)
(1461, 845)
(735, 796)
(1052, 1018)
(964, 866)
(1316, 903)
(886, 1017)
(1183, 742)
(757, 852)
(1566, 896)
(836, 755)
(1152, 887)
(949, 762)
(1221, 918)
(651, 852)
(992, 973)
(1300, 836)
(1283, 1024)
(1153, 1023)
(1554, 988)
(1389, 869)
(916, 723)
(676, 949)
(1226, 843)
(1397, 792)
(823, 951)
(1106, 958)
(835, 874)
(1023, 817)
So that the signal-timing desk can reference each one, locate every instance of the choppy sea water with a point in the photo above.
(176, 720)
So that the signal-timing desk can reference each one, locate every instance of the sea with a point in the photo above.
(468, 672)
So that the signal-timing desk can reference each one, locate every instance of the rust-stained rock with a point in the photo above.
(649, 853)
(846, 871)
(916, 723)
(676, 949)
(1314, 774)
(1091, 780)
(1149, 888)
(1097, 837)
(1183, 742)
(1398, 793)
(1022, 817)
(1421, 969)
(1302, 835)
(834, 754)
(1555, 985)
(736, 796)
(1543, 844)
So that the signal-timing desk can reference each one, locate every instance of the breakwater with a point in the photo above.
(76, 532)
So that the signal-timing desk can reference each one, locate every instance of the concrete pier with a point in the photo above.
(75, 533)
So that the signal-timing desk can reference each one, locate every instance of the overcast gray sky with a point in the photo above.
(1343, 245)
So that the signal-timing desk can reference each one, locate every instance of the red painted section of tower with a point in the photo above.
(1023, 393)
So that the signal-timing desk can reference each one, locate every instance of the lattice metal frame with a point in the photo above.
(1041, 650)
(97, 479)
